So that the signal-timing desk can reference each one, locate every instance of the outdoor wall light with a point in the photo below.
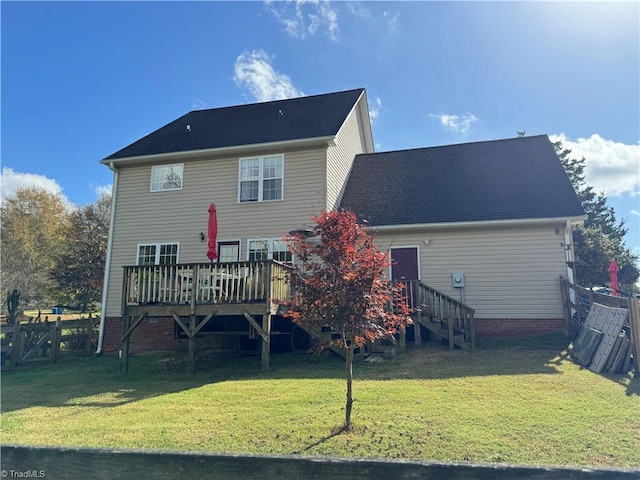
(426, 240)
(201, 237)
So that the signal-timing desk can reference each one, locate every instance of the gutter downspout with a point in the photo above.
(107, 267)
(570, 259)
(569, 249)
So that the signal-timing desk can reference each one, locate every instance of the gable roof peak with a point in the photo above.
(293, 119)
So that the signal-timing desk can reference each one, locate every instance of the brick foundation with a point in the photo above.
(513, 327)
(156, 334)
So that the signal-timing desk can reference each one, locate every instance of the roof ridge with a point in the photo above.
(455, 144)
(276, 101)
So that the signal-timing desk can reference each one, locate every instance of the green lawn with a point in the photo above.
(509, 401)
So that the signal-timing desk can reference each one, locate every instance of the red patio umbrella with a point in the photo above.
(613, 276)
(213, 232)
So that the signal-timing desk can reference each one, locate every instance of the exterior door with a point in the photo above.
(404, 263)
(405, 267)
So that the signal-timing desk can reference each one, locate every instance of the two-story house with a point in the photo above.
(485, 224)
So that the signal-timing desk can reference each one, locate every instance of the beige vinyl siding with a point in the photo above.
(350, 141)
(179, 216)
(510, 272)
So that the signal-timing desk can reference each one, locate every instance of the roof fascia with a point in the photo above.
(485, 223)
(236, 149)
(364, 111)
(363, 108)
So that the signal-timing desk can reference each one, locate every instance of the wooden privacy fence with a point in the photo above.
(592, 317)
(75, 463)
(48, 341)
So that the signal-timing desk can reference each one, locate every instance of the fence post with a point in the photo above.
(89, 341)
(565, 306)
(17, 345)
(634, 321)
(54, 338)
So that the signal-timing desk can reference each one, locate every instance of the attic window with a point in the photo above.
(166, 177)
(261, 179)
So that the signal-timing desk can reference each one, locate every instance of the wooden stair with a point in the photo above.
(444, 317)
(439, 331)
(325, 335)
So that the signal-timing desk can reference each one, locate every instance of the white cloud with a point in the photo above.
(253, 71)
(391, 20)
(374, 110)
(302, 18)
(199, 105)
(101, 190)
(610, 167)
(456, 123)
(358, 9)
(634, 212)
(11, 182)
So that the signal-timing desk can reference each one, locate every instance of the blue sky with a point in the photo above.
(80, 80)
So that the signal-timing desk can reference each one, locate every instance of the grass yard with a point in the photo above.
(511, 401)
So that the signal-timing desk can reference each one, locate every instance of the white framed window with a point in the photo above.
(229, 251)
(268, 248)
(157, 254)
(166, 177)
(261, 179)
(258, 250)
(280, 251)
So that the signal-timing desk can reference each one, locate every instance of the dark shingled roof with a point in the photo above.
(277, 121)
(519, 178)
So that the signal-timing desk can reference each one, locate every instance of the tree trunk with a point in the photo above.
(349, 350)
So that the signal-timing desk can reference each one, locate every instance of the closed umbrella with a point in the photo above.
(213, 232)
(613, 276)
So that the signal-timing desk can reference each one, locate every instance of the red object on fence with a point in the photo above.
(213, 232)
(613, 276)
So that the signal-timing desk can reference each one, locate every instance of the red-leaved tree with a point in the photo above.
(339, 280)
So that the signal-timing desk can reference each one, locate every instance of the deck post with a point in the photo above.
(403, 338)
(450, 325)
(124, 352)
(191, 354)
(266, 341)
(417, 328)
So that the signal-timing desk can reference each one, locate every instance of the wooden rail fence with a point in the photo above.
(47, 341)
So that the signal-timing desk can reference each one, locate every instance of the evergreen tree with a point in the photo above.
(600, 238)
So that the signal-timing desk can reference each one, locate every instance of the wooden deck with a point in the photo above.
(196, 287)
(192, 294)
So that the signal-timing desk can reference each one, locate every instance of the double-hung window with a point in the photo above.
(157, 254)
(268, 248)
(261, 179)
(166, 177)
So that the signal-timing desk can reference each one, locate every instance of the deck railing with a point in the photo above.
(436, 305)
(203, 283)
